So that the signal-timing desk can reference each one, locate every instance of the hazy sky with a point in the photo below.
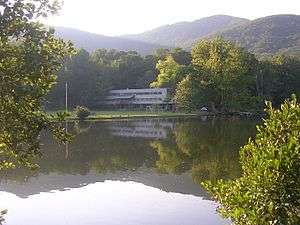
(116, 17)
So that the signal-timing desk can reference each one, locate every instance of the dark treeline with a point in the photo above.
(216, 74)
(90, 76)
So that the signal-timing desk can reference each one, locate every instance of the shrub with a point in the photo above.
(2, 213)
(268, 192)
(82, 112)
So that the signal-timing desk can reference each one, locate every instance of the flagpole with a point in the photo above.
(66, 97)
(66, 102)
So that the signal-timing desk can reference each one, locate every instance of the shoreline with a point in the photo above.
(119, 115)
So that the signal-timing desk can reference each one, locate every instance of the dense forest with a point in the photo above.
(91, 75)
(216, 74)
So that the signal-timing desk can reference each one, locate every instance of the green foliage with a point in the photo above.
(184, 94)
(168, 73)
(172, 66)
(218, 75)
(269, 190)
(82, 112)
(188, 95)
(86, 84)
(222, 78)
(181, 56)
(278, 78)
(91, 75)
(227, 78)
(2, 214)
(122, 70)
(30, 57)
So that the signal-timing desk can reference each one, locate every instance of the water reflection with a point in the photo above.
(167, 157)
(145, 129)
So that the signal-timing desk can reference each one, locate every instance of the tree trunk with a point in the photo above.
(213, 107)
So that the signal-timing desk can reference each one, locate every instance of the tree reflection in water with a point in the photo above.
(201, 149)
(209, 150)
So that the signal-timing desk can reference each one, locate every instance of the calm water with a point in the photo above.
(139, 172)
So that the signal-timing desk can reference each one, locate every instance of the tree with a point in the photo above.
(30, 56)
(86, 83)
(2, 213)
(269, 190)
(161, 53)
(287, 82)
(228, 74)
(82, 112)
(130, 68)
(221, 76)
(278, 78)
(122, 69)
(189, 95)
(181, 56)
(150, 74)
(168, 75)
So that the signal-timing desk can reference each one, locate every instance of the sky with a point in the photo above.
(118, 17)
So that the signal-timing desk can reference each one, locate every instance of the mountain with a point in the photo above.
(91, 42)
(268, 35)
(181, 34)
(263, 36)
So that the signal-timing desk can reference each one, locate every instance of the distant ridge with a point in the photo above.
(268, 35)
(263, 36)
(91, 42)
(181, 34)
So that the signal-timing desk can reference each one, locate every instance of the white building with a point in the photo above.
(145, 97)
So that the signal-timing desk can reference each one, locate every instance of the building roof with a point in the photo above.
(138, 90)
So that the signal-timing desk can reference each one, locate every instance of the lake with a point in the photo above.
(136, 172)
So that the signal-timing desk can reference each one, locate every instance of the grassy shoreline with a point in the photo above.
(117, 115)
(110, 115)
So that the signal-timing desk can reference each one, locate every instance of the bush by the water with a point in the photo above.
(268, 192)
(2, 213)
(82, 112)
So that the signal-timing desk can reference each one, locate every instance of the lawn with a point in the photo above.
(99, 115)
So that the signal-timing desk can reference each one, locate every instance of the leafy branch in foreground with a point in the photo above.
(2, 213)
(269, 190)
(30, 57)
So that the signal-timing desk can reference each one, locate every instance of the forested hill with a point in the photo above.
(264, 36)
(268, 35)
(91, 42)
(184, 33)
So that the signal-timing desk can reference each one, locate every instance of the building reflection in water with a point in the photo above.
(151, 128)
(170, 155)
